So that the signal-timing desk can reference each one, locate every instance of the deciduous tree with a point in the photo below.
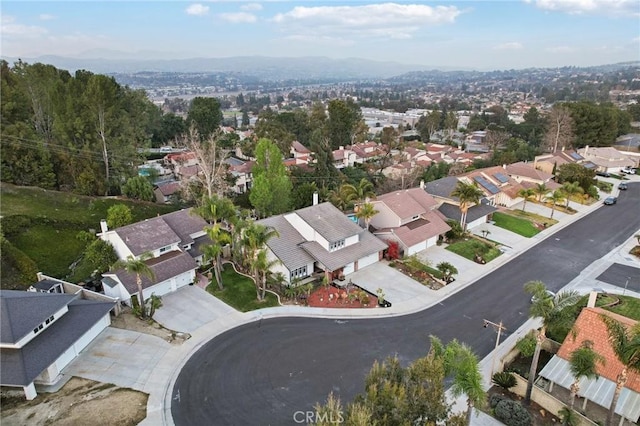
(560, 129)
(270, 193)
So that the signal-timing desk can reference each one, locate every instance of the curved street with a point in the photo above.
(263, 372)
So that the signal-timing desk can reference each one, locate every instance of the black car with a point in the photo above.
(623, 186)
(603, 174)
(610, 201)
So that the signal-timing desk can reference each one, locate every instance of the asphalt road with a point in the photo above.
(262, 374)
(623, 276)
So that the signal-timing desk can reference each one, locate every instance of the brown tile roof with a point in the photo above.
(298, 147)
(408, 203)
(428, 226)
(589, 326)
(527, 170)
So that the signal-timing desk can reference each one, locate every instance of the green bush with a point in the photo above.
(456, 230)
(504, 379)
(15, 224)
(495, 398)
(20, 261)
(512, 413)
(526, 345)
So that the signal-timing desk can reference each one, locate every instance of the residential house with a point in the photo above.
(608, 159)
(320, 238)
(300, 151)
(173, 240)
(241, 172)
(410, 218)
(499, 188)
(184, 164)
(549, 162)
(449, 205)
(343, 158)
(529, 177)
(589, 326)
(367, 151)
(166, 191)
(41, 332)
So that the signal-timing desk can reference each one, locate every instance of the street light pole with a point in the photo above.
(500, 329)
(625, 286)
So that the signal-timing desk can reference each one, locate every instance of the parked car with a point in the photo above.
(629, 170)
(603, 174)
(610, 201)
(623, 186)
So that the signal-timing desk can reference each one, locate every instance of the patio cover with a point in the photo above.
(599, 391)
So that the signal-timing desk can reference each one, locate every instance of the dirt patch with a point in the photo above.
(80, 401)
(128, 321)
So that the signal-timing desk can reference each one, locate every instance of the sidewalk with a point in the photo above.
(160, 383)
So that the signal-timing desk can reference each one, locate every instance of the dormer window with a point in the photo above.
(165, 249)
(336, 245)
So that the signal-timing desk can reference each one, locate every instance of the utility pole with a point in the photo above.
(500, 329)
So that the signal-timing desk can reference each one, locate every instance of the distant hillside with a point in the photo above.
(262, 67)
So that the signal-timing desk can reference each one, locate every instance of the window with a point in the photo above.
(38, 328)
(299, 273)
(416, 217)
(336, 245)
(165, 249)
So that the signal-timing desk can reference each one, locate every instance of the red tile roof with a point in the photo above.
(589, 326)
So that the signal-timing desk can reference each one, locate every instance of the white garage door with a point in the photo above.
(159, 289)
(64, 359)
(367, 260)
(348, 269)
(416, 248)
(477, 222)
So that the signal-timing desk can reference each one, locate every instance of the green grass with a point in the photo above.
(532, 217)
(628, 307)
(518, 225)
(240, 292)
(468, 249)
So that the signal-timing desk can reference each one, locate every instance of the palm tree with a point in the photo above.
(556, 197)
(213, 252)
(447, 269)
(625, 343)
(571, 189)
(551, 310)
(366, 211)
(253, 242)
(215, 210)
(526, 193)
(461, 364)
(582, 363)
(360, 192)
(541, 190)
(138, 267)
(468, 194)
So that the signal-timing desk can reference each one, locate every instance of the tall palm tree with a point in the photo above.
(468, 194)
(360, 192)
(582, 363)
(551, 310)
(556, 197)
(462, 366)
(541, 190)
(261, 266)
(526, 193)
(571, 189)
(254, 239)
(213, 252)
(625, 343)
(138, 267)
(366, 211)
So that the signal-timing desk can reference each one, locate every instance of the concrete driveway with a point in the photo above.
(189, 308)
(123, 357)
(397, 287)
(500, 235)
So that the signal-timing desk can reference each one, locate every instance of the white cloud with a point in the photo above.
(385, 19)
(596, 7)
(46, 17)
(251, 7)
(9, 27)
(197, 9)
(513, 45)
(239, 17)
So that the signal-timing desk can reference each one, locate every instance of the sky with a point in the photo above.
(469, 34)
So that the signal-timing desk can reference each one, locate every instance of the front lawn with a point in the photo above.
(511, 223)
(239, 292)
(534, 218)
(471, 247)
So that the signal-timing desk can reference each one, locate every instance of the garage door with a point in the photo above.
(416, 248)
(159, 289)
(348, 269)
(368, 260)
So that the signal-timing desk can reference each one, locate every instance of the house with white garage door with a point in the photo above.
(173, 240)
(320, 239)
(409, 217)
(41, 332)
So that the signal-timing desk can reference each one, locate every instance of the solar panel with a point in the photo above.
(502, 178)
(575, 156)
(487, 185)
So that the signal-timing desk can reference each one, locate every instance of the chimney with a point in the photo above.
(586, 149)
(504, 166)
(562, 148)
(422, 184)
(341, 148)
(591, 303)
(39, 276)
(315, 198)
(103, 226)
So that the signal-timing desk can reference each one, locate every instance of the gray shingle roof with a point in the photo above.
(452, 211)
(164, 267)
(45, 285)
(329, 222)
(148, 235)
(367, 245)
(286, 246)
(184, 223)
(442, 187)
(19, 367)
(22, 311)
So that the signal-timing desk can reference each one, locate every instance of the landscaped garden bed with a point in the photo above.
(423, 273)
(475, 249)
(352, 296)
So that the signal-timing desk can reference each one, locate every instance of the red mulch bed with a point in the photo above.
(333, 297)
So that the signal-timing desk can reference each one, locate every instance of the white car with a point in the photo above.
(629, 170)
